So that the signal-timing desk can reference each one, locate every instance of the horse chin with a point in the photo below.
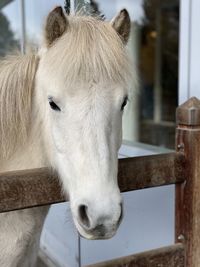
(95, 236)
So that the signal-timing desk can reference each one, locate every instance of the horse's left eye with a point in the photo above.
(124, 103)
(54, 106)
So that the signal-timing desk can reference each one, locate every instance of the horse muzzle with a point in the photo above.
(98, 227)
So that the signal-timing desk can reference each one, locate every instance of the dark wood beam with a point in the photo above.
(172, 256)
(151, 171)
(30, 188)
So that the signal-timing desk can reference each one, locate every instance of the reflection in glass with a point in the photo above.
(159, 72)
(36, 12)
(153, 46)
(9, 38)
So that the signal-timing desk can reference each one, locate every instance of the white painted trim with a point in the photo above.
(23, 27)
(189, 57)
(194, 88)
(184, 50)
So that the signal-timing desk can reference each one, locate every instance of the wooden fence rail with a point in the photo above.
(30, 188)
(172, 256)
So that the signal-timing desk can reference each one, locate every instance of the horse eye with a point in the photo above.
(124, 103)
(54, 106)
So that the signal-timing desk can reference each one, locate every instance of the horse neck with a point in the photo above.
(22, 142)
(35, 152)
(31, 154)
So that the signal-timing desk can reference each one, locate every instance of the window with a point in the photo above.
(9, 27)
(159, 72)
(153, 46)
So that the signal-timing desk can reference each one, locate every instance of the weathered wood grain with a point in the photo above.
(172, 256)
(30, 188)
(151, 171)
(188, 193)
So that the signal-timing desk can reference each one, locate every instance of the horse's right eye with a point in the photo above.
(54, 106)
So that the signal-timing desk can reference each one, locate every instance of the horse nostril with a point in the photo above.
(83, 215)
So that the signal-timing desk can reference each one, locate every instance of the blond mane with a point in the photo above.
(17, 75)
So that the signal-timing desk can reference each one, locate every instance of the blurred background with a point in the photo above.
(153, 46)
(164, 47)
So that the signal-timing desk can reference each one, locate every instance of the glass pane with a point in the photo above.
(36, 12)
(9, 27)
(159, 72)
(153, 46)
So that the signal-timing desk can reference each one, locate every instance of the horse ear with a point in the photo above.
(122, 24)
(56, 25)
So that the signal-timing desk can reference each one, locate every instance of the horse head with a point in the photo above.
(82, 88)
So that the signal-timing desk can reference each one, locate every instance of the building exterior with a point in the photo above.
(164, 46)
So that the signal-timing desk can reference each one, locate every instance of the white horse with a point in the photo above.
(63, 108)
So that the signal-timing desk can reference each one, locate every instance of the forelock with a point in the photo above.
(89, 50)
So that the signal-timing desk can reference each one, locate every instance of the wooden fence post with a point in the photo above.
(188, 193)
